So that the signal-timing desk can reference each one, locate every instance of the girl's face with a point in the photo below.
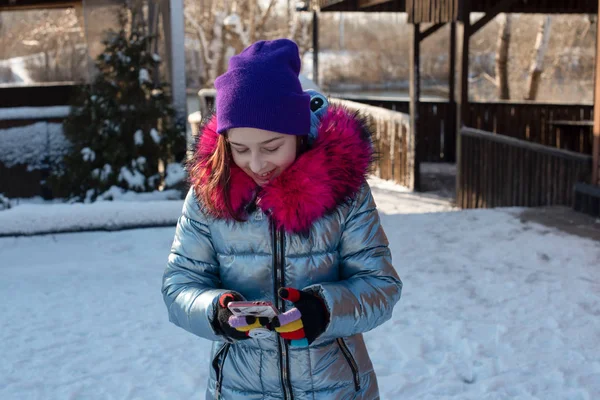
(263, 155)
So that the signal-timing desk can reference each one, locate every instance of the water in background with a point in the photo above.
(398, 95)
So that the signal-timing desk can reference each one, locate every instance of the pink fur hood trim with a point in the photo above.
(331, 172)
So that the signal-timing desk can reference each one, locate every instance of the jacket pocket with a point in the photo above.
(217, 363)
(351, 361)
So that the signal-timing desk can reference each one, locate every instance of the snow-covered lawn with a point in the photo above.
(492, 308)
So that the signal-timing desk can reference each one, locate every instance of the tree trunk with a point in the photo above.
(502, 58)
(537, 66)
(342, 45)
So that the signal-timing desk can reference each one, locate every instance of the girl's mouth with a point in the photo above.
(264, 178)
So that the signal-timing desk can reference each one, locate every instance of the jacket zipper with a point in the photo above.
(218, 367)
(279, 282)
(351, 362)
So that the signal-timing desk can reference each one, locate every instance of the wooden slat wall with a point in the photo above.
(500, 171)
(447, 10)
(396, 161)
(434, 133)
(531, 122)
(542, 6)
(587, 199)
(436, 11)
(19, 181)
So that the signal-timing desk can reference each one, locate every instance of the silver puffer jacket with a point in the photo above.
(316, 228)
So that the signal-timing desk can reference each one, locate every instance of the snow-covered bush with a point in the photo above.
(125, 126)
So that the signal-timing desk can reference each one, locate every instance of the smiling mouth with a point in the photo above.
(264, 177)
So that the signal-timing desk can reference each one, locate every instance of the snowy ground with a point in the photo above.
(492, 309)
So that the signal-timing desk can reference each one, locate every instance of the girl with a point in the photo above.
(275, 218)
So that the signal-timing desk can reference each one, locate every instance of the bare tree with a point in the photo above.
(502, 58)
(50, 42)
(537, 65)
(224, 28)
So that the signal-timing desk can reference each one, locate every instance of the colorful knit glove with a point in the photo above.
(232, 327)
(303, 323)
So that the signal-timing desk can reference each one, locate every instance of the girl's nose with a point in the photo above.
(256, 164)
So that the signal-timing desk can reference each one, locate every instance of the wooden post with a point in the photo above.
(450, 127)
(174, 42)
(415, 94)
(463, 31)
(596, 149)
(315, 38)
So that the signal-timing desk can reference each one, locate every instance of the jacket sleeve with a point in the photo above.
(191, 284)
(369, 287)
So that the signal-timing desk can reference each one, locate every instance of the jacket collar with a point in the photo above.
(331, 172)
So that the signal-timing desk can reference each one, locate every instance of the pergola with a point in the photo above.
(166, 15)
(437, 13)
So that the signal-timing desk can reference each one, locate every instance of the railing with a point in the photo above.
(587, 199)
(535, 122)
(437, 141)
(501, 171)
(531, 121)
(41, 95)
(437, 138)
(396, 159)
(23, 116)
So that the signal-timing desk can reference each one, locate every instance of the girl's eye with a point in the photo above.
(241, 151)
(272, 150)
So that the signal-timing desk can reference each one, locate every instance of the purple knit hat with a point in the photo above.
(261, 90)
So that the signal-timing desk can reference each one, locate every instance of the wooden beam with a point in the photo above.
(370, 3)
(37, 5)
(450, 126)
(596, 148)
(328, 3)
(500, 7)
(524, 144)
(415, 94)
(463, 34)
(315, 45)
(432, 29)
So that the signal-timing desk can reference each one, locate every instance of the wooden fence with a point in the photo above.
(587, 199)
(535, 122)
(437, 134)
(21, 180)
(500, 171)
(395, 149)
(530, 121)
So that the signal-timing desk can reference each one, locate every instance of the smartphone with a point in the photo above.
(253, 309)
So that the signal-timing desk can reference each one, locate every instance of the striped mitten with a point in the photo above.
(305, 322)
(232, 327)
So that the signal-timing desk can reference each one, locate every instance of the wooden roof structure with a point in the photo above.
(457, 13)
(36, 4)
(420, 11)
